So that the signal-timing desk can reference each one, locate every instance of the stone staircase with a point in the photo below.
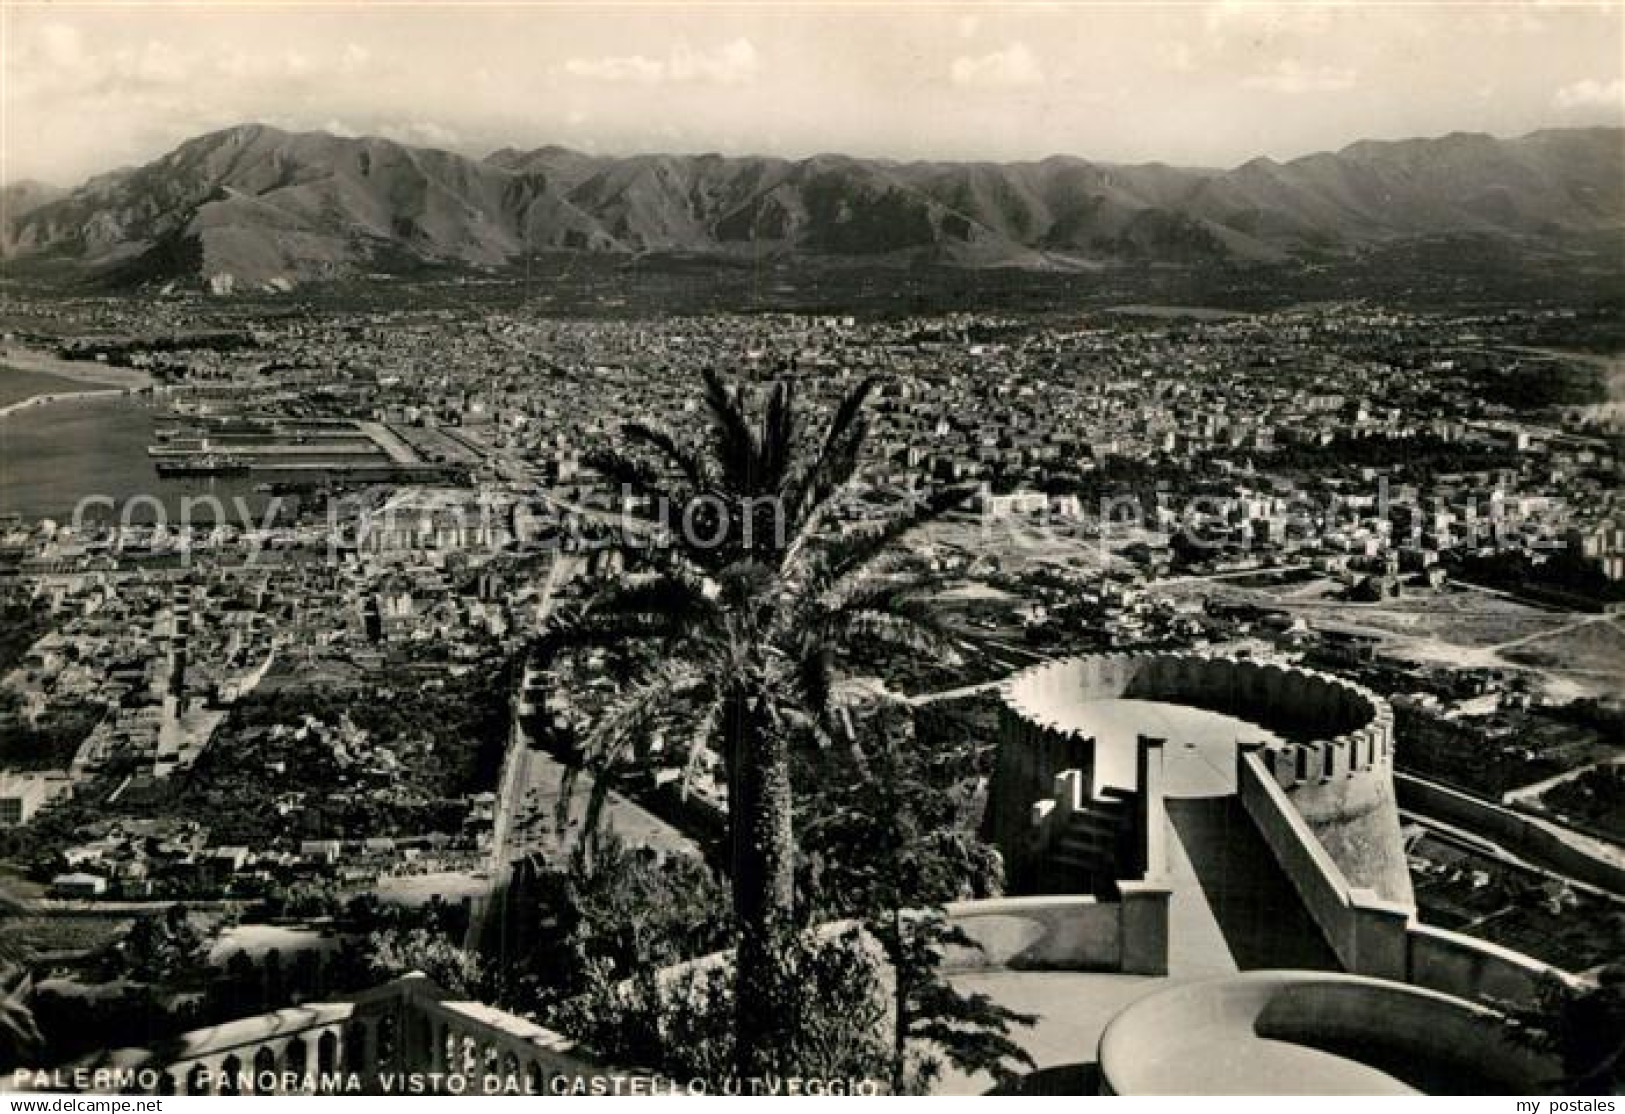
(1079, 838)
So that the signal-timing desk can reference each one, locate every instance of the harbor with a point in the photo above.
(290, 453)
(85, 450)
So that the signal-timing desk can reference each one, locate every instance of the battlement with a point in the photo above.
(1329, 744)
(1328, 726)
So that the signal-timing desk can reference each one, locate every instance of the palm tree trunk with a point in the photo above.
(763, 884)
(900, 989)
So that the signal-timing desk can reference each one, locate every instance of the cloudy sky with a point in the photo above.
(91, 87)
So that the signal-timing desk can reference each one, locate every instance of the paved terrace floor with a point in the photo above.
(1231, 910)
(1199, 759)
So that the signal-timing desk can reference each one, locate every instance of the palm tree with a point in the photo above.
(749, 601)
(1582, 1027)
(20, 1037)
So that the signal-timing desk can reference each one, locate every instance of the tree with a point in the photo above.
(159, 949)
(20, 1038)
(749, 600)
(392, 953)
(680, 1022)
(305, 900)
(1583, 1027)
(891, 843)
(613, 913)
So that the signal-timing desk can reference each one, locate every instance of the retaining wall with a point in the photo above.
(1455, 964)
(1065, 932)
(1373, 936)
(1062, 932)
(1510, 828)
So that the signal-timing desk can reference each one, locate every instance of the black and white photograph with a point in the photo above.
(816, 548)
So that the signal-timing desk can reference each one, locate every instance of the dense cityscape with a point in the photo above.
(557, 549)
(275, 728)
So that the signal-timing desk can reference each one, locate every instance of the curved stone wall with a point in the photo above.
(1301, 1032)
(1334, 757)
(1301, 705)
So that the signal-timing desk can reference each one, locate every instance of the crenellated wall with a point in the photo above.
(1034, 750)
(1334, 757)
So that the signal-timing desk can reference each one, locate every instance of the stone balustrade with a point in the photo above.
(404, 1037)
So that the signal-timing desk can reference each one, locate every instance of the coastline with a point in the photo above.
(60, 380)
(34, 401)
(17, 357)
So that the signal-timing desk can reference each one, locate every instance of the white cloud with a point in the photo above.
(421, 133)
(55, 60)
(61, 46)
(732, 63)
(355, 58)
(1515, 21)
(1012, 67)
(1590, 93)
(153, 64)
(1176, 55)
(1293, 77)
(633, 67)
(291, 65)
(1254, 19)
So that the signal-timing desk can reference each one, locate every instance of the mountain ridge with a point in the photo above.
(264, 205)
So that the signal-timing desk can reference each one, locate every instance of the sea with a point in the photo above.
(88, 457)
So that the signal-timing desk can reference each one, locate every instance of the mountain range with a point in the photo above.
(269, 206)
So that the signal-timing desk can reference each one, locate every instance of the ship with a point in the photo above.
(207, 464)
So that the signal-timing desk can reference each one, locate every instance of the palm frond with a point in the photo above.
(735, 449)
(691, 464)
(631, 473)
(814, 674)
(580, 628)
(847, 418)
(811, 488)
(20, 1037)
(890, 573)
(837, 457)
(852, 405)
(668, 599)
(895, 630)
(699, 740)
(603, 750)
(841, 557)
(776, 444)
(666, 553)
